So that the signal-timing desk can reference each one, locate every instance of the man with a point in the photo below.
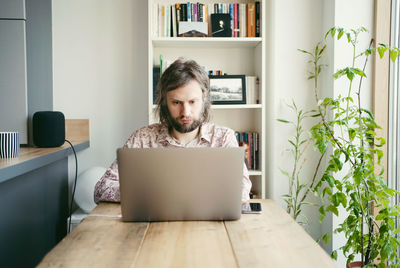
(183, 106)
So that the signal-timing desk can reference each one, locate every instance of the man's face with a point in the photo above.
(185, 105)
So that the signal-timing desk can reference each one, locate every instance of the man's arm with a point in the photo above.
(107, 188)
(230, 141)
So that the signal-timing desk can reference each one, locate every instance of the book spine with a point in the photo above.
(238, 20)
(258, 19)
(257, 91)
(251, 20)
(235, 26)
(201, 13)
(173, 21)
(189, 12)
(242, 27)
(168, 21)
(195, 12)
(232, 13)
(178, 17)
(250, 150)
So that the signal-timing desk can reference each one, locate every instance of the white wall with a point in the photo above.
(291, 25)
(342, 53)
(100, 70)
(301, 24)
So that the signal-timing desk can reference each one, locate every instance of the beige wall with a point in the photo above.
(100, 70)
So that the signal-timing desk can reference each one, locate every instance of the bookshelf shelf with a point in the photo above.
(234, 106)
(208, 42)
(255, 172)
(237, 106)
(232, 55)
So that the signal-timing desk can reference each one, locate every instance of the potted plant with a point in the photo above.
(299, 190)
(345, 132)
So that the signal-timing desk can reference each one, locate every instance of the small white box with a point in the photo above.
(193, 28)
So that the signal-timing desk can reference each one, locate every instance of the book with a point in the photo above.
(245, 20)
(249, 140)
(242, 20)
(251, 90)
(251, 20)
(258, 19)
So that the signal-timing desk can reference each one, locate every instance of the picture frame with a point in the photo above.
(228, 89)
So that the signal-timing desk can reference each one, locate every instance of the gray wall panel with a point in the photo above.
(12, 9)
(39, 58)
(13, 100)
(34, 209)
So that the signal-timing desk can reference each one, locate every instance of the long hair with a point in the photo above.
(178, 74)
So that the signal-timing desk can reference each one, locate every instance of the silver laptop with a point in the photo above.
(169, 184)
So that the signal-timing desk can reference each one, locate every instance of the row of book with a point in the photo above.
(250, 140)
(245, 18)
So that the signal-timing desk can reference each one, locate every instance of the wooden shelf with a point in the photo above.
(30, 158)
(206, 42)
(255, 172)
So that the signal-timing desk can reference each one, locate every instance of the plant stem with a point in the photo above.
(362, 163)
(314, 178)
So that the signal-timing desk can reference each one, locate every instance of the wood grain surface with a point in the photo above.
(271, 239)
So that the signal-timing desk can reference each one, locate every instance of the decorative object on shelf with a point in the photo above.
(193, 29)
(48, 129)
(228, 89)
(221, 25)
(9, 144)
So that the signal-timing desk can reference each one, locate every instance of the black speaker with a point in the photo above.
(48, 129)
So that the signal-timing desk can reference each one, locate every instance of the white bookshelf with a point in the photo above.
(236, 55)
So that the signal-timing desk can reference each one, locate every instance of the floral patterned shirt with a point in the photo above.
(156, 135)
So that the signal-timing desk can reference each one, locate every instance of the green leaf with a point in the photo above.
(352, 133)
(359, 72)
(348, 37)
(333, 209)
(322, 50)
(334, 255)
(326, 237)
(304, 51)
(341, 32)
(393, 55)
(387, 248)
(381, 51)
(339, 73)
(350, 74)
(326, 190)
(322, 213)
(282, 121)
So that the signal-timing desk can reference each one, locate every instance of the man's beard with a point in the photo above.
(184, 128)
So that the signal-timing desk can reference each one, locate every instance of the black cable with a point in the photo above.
(74, 187)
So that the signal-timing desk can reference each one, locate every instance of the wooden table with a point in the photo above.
(271, 239)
